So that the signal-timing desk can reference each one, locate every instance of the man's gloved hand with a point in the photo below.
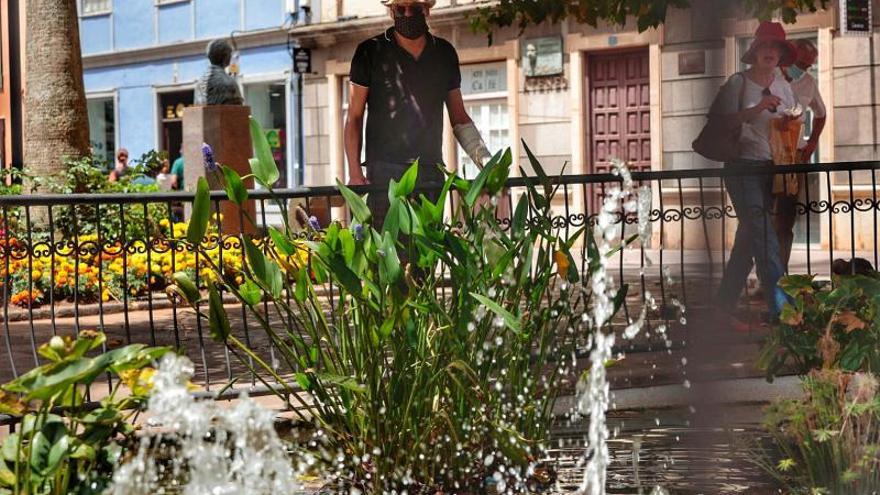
(469, 138)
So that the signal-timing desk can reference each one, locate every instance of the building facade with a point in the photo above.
(142, 58)
(616, 93)
(578, 95)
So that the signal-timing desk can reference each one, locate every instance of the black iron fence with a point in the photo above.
(76, 262)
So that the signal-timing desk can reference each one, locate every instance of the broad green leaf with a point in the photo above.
(346, 238)
(476, 186)
(355, 202)
(235, 189)
(511, 321)
(83, 451)
(408, 181)
(500, 172)
(58, 453)
(10, 447)
(218, 320)
(302, 287)
(520, 217)
(389, 264)
(344, 275)
(188, 290)
(387, 327)
(392, 218)
(303, 380)
(264, 269)
(250, 292)
(264, 167)
(282, 243)
(7, 477)
(201, 212)
(45, 457)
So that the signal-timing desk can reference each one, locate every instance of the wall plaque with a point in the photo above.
(692, 62)
(542, 56)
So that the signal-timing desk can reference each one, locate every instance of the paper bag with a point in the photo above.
(784, 138)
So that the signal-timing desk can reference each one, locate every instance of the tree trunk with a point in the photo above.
(56, 124)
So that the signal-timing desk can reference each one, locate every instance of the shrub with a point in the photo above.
(829, 441)
(826, 327)
(74, 452)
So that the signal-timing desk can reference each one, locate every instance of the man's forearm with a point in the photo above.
(353, 144)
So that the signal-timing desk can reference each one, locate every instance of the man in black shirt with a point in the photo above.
(401, 79)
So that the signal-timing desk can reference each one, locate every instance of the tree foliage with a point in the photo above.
(647, 13)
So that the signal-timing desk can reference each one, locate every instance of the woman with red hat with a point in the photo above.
(753, 99)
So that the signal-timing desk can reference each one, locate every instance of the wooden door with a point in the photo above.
(620, 110)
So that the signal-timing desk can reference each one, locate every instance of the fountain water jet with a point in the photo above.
(218, 451)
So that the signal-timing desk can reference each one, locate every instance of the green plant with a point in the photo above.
(87, 175)
(412, 386)
(62, 447)
(415, 381)
(826, 327)
(828, 441)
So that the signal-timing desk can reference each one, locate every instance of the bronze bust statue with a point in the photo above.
(216, 87)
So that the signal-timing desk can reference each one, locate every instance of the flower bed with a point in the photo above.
(87, 268)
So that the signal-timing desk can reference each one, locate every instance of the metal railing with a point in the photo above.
(80, 261)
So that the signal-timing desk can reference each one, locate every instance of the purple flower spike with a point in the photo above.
(208, 157)
(358, 232)
(313, 223)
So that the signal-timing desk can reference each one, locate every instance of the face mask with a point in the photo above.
(795, 72)
(411, 27)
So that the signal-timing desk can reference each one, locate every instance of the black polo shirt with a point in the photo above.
(406, 97)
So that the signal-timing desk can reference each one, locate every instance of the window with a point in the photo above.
(268, 103)
(484, 87)
(102, 127)
(95, 7)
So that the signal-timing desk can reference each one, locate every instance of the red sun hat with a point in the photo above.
(771, 32)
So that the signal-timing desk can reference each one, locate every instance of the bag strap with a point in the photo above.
(742, 91)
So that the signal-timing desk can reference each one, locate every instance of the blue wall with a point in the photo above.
(135, 84)
(261, 14)
(216, 18)
(134, 24)
(141, 23)
(175, 22)
(95, 34)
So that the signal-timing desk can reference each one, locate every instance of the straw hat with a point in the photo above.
(427, 3)
(771, 32)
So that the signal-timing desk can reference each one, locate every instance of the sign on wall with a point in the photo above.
(483, 78)
(856, 17)
(542, 56)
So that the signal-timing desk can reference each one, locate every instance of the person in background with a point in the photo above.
(165, 179)
(177, 171)
(806, 91)
(401, 79)
(754, 98)
(120, 168)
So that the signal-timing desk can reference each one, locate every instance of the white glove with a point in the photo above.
(469, 138)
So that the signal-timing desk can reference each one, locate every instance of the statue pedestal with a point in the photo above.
(226, 129)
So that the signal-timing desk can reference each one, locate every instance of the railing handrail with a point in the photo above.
(331, 191)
